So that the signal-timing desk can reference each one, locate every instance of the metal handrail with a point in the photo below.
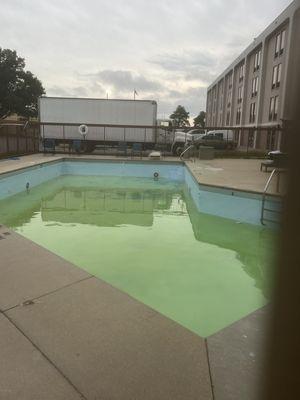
(275, 170)
(184, 151)
(25, 125)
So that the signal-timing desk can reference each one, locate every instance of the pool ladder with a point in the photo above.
(264, 209)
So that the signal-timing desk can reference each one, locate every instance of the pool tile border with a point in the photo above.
(229, 190)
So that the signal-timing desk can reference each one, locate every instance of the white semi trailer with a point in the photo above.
(122, 120)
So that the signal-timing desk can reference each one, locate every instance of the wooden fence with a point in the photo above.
(18, 139)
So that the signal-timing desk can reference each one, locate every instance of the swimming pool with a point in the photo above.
(196, 254)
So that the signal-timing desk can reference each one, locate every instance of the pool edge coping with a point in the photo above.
(65, 159)
(161, 162)
(231, 188)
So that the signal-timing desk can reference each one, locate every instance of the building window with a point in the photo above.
(273, 111)
(257, 60)
(282, 41)
(240, 94)
(241, 72)
(275, 115)
(238, 115)
(251, 138)
(254, 87)
(230, 80)
(276, 77)
(228, 118)
(229, 99)
(221, 88)
(252, 112)
(214, 100)
(279, 43)
(271, 140)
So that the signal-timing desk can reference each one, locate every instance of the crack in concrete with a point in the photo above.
(45, 356)
(209, 369)
(32, 300)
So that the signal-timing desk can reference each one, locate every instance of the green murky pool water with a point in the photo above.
(147, 239)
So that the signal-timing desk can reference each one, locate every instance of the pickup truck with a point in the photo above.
(183, 139)
(217, 139)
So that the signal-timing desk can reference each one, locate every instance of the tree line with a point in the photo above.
(180, 117)
(19, 89)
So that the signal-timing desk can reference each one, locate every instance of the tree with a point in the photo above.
(19, 89)
(180, 117)
(200, 119)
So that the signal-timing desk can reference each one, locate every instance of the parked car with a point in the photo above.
(219, 139)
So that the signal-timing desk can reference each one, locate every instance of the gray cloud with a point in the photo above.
(185, 61)
(167, 50)
(58, 91)
(189, 65)
(123, 80)
(193, 99)
(78, 91)
(175, 94)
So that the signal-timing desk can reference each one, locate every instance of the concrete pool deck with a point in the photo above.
(65, 334)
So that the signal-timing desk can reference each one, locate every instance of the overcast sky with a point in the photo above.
(167, 50)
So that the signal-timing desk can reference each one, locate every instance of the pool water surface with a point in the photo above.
(149, 239)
